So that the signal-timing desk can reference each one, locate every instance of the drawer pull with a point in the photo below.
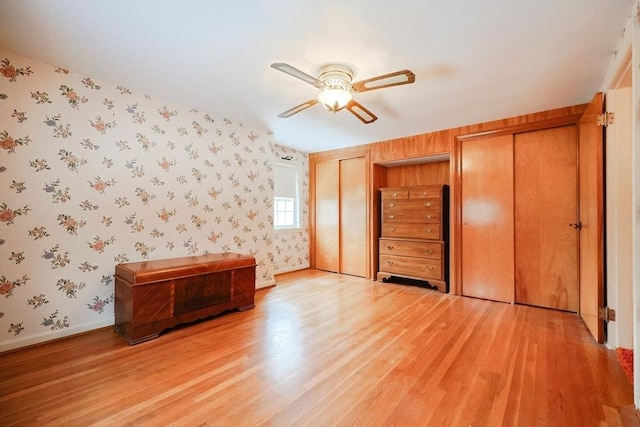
(429, 267)
(428, 204)
(392, 229)
(428, 230)
(389, 247)
(391, 216)
(391, 205)
(395, 194)
(430, 216)
(429, 251)
(390, 262)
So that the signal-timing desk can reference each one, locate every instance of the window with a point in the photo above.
(283, 212)
(286, 205)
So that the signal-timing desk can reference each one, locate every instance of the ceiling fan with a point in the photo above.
(334, 80)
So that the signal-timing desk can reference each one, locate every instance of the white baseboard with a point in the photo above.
(290, 269)
(265, 284)
(13, 344)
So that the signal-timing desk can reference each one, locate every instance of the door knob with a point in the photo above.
(577, 226)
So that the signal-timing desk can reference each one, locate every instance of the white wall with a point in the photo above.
(618, 291)
(619, 190)
(634, 30)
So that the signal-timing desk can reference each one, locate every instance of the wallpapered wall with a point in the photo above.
(94, 174)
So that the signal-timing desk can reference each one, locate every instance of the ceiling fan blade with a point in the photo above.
(298, 108)
(360, 112)
(292, 71)
(386, 80)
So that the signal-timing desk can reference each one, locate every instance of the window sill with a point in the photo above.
(288, 230)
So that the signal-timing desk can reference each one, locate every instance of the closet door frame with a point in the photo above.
(456, 214)
(337, 155)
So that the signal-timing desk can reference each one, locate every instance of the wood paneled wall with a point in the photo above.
(435, 173)
(413, 146)
(422, 146)
(443, 141)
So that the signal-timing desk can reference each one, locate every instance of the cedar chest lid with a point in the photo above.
(172, 268)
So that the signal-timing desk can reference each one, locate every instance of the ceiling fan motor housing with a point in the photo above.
(337, 87)
(336, 77)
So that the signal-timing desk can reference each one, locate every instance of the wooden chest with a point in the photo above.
(152, 296)
(414, 234)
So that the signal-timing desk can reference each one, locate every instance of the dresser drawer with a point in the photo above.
(413, 204)
(415, 231)
(411, 216)
(412, 248)
(425, 193)
(395, 194)
(414, 267)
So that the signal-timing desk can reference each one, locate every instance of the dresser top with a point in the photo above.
(414, 187)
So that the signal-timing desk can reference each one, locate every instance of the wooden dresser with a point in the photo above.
(415, 235)
(155, 295)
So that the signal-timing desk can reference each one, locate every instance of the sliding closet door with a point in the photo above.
(327, 215)
(353, 217)
(546, 243)
(487, 218)
(341, 216)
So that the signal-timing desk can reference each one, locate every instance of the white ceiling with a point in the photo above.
(474, 60)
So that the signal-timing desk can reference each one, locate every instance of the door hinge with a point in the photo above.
(607, 314)
(605, 119)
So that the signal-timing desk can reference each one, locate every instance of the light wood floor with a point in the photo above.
(322, 349)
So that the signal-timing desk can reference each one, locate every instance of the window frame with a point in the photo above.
(296, 200)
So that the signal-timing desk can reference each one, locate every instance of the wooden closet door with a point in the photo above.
(353, 217)
(546, 245)
(487, 218)
(591, 200)
(327, 215)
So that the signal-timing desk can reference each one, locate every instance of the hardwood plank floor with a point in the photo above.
(323, 349)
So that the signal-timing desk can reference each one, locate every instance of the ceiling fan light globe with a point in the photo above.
(334, 99)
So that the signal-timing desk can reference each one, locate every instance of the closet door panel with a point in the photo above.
(487, 218)
(546, 246)
(353, 217)
(327, 215)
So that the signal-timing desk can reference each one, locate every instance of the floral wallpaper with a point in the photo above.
(94, 174)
